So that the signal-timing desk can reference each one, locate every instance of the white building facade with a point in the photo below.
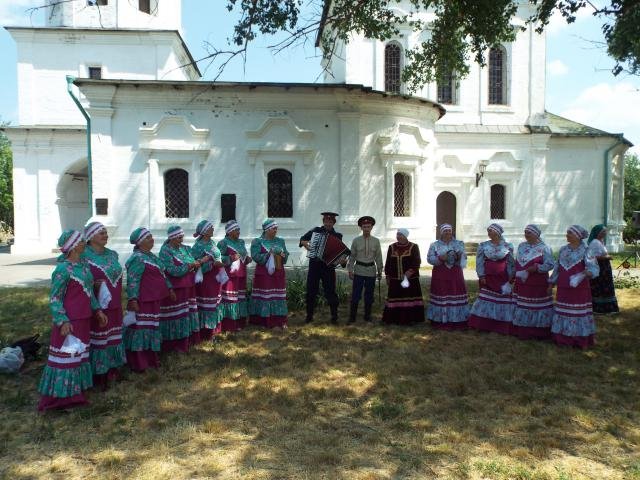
(167, 148)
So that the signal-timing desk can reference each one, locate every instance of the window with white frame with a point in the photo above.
(280, 193)
(176, 193)
(498, 202)
(392, 67)
(497, 76)
(402, 194)
(448, 89)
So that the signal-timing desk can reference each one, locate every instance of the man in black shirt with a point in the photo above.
(318, 271)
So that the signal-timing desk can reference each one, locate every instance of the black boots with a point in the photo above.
(367, 312)
(353, 312)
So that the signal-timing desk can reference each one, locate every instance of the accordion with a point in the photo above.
(327, 248)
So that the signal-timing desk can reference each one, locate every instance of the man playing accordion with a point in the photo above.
(326, 250)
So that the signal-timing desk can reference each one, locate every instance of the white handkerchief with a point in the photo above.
(104, 295)
(72, 345)
(222, 276)
(405, 282)
(576, 279)
(199, 275)
(506, 288)
(129, 319)
(522, 275)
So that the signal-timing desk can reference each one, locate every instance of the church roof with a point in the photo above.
(563, 127)
(115, 30)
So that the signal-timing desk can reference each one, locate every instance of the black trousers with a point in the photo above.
(318, 271)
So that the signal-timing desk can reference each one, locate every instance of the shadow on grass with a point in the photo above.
(362, 401)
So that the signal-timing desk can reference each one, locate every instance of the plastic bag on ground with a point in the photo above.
(11, 359)
(129, 319)
(104, 295)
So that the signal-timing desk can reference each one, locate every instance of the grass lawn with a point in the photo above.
(338, 402)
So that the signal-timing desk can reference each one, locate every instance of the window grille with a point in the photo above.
(102, 206)
(447, 89)
(497, 202)
(144, 6)
(401, 195)
(392, 68)
(279, 193)
(95, 73)
(228, 207)
(176, 193)
(93, 3)
(497, 76)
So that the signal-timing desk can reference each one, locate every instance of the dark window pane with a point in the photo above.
(95, 73)
(144, 6)
(176, 193)
(228, 207)
(447, 89)
(497, 202)
(102, 206)
(497, 77)
(280, 193)
(401, 195)
(392, 68)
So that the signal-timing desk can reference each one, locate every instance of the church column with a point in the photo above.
(349, 167)
(538, 195)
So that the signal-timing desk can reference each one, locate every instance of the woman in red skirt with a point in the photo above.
(268, 304)
(179, 322)
(107, 352)
(67, 374)
(404, 304)
(573, 323)
(147, 287)
(493, 310)
(533, 303)
(448, 301)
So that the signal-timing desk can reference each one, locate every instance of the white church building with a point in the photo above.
(160, 147)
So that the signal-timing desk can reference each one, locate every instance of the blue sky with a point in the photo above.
(580, 85)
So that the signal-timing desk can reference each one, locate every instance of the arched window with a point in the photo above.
(279, 193)
(447, 89)
(497, 202)
(392, 67)
(402, 195)
(497, 76)
(176, 193)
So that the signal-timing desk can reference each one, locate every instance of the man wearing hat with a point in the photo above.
(318, 270)
(365, 264)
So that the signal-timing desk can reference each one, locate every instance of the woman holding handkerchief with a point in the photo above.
(67, 374)
(573, 323)
(533, 302)
(493, 310)
(107, 351)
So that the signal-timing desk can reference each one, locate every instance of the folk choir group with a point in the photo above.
(187, 295)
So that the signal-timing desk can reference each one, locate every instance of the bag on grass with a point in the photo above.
(11, 359)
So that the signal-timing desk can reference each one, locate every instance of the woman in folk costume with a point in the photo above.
(493, 310)
(147, 287)
(73, 305)
(404, 304)
(179, 322)
(573, 322)
(533, 302)
(208, 289)
(107, 351)
(603, 293)
(268, 304)
(234, 291)
(448, 302)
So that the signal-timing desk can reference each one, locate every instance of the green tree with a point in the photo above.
(462, 30)
(631, 193)
(6, 180)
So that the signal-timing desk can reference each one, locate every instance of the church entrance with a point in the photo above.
(446, 211)
(73, 196)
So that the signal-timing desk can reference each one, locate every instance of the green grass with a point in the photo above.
(340, 402)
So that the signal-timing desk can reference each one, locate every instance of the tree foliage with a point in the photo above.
(631, 193)
(6, 180)
(460, 31)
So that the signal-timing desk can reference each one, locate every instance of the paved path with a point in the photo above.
(26, 270)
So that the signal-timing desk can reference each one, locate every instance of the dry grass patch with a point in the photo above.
(345, 402)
